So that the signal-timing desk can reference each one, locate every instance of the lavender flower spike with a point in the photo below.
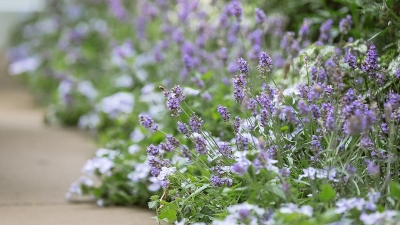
(223, 111)
(260, 16)
(345, 24)
(243, 66)
(265, 63)
(148, 122)
(370, 64)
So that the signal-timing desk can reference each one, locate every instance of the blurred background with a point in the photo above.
(12, 12)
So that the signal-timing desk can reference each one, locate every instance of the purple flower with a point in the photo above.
(380, 79)
(304, 110)
(384, 128)
(238, 83)
(303, 90)
(222, 53)
(154, 128)
(289, 114)
(357, 124)
(265, 101)
(314, 73)
(370, 64)
(172, 141)
(316, 113)
(117, 8)
(276, 25)
(279, 62)
(325, 31)
(243, 67)
(153, 150)
(235, 9)
(350, 60)
(264, 117)
(236, 124)
(314, 93)
(256, 37)
(146, 121)
(220, 181)
(166, 147)
(397, 74)
(195, 123)
(265, 63)
(284, 172)
(305, 28)
(224, 113)
(233, 32)
(188, 61)
(329, 112)
(366, 143)
(232, 67)
(174, 98)
(290, 44)
(182, 128)
(315, 143)
(225, 149)
(242, 142)
(393, 99)
(345, 24)
(240, 167)
(177, 36)
(349, 96)
(252, 106)
(373, 169)
(260, 16)
(351, 170)
(201, 145)
(185, 151)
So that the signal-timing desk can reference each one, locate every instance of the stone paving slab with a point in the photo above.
(37, 164)
(67, 214)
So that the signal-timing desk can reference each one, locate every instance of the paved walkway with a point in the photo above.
(37, 164)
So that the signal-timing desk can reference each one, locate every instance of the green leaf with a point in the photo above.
(207, 75)
(395, 190)
(168, 213)
(327, 193)
(196, 192)
(152, 204)
(250, 170)
(284, 128)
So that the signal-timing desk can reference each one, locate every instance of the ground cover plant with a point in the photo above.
(227, 112)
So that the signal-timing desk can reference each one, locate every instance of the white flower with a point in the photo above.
(120, 53)
(75, 187)
(142, 171)
(245, 206)
(155, 184)
(190, 91)
(385, 217)
(90, 121)
(86, 88)
(344, 205)
(290, 208)
(133, 149)
(118, 103)
(103, 165)
(136, 135)
(65, 87)
(124, 81)
(313, 174)
(165, 172)
(111, 154)
(24, 65)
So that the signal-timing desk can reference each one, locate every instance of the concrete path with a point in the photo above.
(37, 164)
